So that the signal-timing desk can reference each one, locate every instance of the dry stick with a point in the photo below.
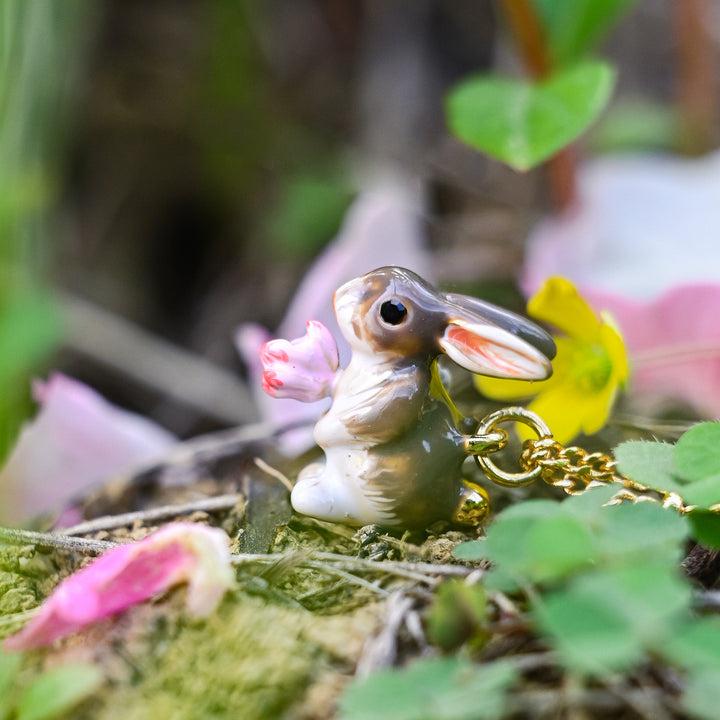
(532, 46)
(349, 577)
(157, 364)
(272, 472)
(420, 572)
(11, 536)
(111, 522)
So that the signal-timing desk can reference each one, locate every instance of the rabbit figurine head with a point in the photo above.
(393, 453)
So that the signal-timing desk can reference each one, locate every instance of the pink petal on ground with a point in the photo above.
(77, 440)
(133, 573)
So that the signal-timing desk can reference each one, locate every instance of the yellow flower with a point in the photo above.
(590, 366)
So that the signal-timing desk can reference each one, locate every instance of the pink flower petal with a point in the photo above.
(76, 441)
(133, 573)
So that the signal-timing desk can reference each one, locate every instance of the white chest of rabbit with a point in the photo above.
(392, 452)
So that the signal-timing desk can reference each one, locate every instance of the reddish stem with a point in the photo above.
(529, 35)
(696, 87)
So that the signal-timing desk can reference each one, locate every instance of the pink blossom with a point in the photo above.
(133, 573)
(304, 369)
(77, 440)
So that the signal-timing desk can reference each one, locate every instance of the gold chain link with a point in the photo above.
(575, 470)
(571, 468)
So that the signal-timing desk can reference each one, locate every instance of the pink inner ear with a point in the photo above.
(484, 353)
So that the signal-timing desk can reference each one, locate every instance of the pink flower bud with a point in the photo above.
(304, 369)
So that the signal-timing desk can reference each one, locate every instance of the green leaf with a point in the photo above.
(437, 689)
(557, 547)
(697, 453)
(642, 529)
(56, 691)
(705, 527)
(607, 620)
(704, 493)
(536, 541)
(649, 463)
(589, 636)
(574, 27)
(522, 123)
(701, 698)
(470, 551)
(695, 644)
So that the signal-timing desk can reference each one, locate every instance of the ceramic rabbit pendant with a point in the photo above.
(393, 452)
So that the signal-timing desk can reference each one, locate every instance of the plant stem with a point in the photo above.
(11, 536)
(111, 522)
(532, 45)
(696, 85)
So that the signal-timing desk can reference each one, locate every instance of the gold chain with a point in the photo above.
(570, 468)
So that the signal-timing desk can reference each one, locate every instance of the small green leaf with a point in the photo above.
(56, 691)
(522, 123)
(574, 27)
(437, 689)
(705, 527)
(701, 698)
(470, 551)
(607, 620)
(590, 637)
(695, 644)
(646, 529)
(697, 453)
(649, 463)
(557, 547)
(704, 493)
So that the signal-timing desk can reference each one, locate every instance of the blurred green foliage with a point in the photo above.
(523, 122)
(575, 27)
(50, 694)
(40, 46)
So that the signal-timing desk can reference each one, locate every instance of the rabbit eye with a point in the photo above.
(393, 312)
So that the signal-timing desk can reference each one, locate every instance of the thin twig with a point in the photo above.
(12, 536)
(349, 577)
(111, 522)
(420, 572)
(273, 472)
(153, 362)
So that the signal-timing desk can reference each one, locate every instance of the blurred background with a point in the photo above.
(170, 169)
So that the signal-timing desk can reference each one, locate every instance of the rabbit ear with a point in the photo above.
(488, 349)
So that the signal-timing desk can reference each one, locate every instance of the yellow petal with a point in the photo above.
(507, 390)
(562, 410)
(615, 346)
(558, 303)
(596, 409)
